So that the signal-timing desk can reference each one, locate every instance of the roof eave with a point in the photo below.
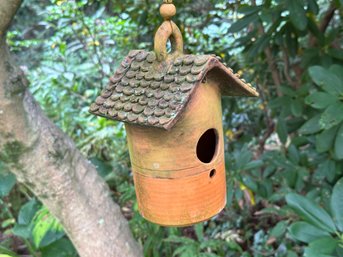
(230, 83)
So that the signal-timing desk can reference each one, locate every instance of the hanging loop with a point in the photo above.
(168, 30)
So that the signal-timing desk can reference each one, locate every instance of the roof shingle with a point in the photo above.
(147, 92)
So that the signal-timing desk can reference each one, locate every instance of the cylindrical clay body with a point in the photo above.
(179, 174)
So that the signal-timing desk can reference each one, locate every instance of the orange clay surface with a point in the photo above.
(173, 186)
(183, 201)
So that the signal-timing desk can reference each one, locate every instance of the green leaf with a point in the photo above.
(291, 254)
(339, 250)
(210, 254)
(46, 229)
(297, 107)
(60, 248)
(230, 189)
(311, 253)
(279, 229)
(293, 154)
(234, 246)
(321, 247)
(320, 100)
(324, 245)
(311, 212)
(243, 23)
(103, 168)
(325, 140)
(326, 79)
(179, 240)
(7, 182)
(332, 116)
(305, 232)
(243, 157)
(291, 40)
(326, 169)
(281, 130)
(313, 28)
(253, 165)
(336, 53)
(337, 70)
(212, 243)
(23, 231)
(6, 252)
(199, 231)
(311, 126)
(313, 6)
(287, 91)
(297, 14)
(248, 9)
(339, 143)
(259, 45)
(7, 223)
(27, 212)
(337, 204)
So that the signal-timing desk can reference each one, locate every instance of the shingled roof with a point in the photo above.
(148, 92)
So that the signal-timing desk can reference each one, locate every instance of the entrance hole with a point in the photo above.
(207, 146)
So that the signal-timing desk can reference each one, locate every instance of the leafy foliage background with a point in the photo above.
(284, 151)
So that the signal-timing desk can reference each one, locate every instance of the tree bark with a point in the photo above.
(47, 161)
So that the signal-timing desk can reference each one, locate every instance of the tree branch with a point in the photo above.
(324, 23)
(286, 69)
(47, 162)
(270, 125)
(8, 9)
(273, 69)
(270, 60)
(327, 18)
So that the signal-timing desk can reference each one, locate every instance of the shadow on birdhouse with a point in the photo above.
(171, 106)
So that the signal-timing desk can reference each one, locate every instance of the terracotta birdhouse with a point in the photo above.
(171, 106)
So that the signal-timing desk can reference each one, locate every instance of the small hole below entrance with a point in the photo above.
(212, 173)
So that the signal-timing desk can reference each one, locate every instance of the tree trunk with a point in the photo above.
(47, 161)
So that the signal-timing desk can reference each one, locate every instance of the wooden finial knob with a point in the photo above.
(168, 9)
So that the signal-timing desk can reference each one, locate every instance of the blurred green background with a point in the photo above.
(284, 150)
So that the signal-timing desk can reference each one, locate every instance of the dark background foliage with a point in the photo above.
(284, 150)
